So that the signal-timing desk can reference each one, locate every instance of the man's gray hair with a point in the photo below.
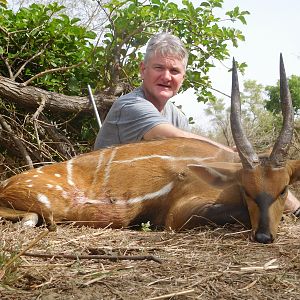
(165, 44)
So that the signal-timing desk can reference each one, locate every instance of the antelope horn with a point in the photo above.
(281, 147)
(246, 152)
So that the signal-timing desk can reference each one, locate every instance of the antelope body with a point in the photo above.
(173, 183)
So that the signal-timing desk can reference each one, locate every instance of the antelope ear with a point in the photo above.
(295, 164)
(217, 175)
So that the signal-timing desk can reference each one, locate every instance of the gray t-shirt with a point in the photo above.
(132, 115)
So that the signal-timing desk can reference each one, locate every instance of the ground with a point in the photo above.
(209, 263)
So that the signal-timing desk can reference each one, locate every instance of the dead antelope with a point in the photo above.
(173, 183)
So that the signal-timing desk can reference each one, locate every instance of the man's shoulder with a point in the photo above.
(135, 95)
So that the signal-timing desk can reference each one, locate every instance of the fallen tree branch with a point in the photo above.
(108, 257)
(29, 96)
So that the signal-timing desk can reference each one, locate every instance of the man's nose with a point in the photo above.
(167, 75)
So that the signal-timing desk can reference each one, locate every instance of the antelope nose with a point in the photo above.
(263, 238)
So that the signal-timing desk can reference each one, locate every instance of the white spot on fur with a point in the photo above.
(30, 185)
(58, 188)
(35, 175)
(44, 199)
(50, 186)
(70, 172)
(160, 193)
(57, 175)
(39, 170)
(28, 180)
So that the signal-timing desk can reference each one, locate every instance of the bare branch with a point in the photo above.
(109, 257)
(28, 61)
(35, 118)
(16, 141)
(11, 75)
(61, 69)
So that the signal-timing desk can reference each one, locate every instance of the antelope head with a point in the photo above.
(264, 182)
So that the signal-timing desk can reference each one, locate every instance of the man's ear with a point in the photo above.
(142, 69)
(217, 176)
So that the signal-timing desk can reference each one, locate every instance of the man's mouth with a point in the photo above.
(164, 86)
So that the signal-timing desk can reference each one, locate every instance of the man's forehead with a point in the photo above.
(166, 59)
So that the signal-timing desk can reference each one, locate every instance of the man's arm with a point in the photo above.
(169, 131)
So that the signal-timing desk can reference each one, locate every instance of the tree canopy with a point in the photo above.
(273, 92)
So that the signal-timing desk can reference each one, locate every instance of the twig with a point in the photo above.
(172, 295)
(28, 61)
(248, 286)
(60, 69)
(35, 117)
(17, 141)
(237, 232)
(109, 257)
(43, 98)
(8, 67)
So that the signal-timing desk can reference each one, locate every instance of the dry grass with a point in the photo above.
(204, 264)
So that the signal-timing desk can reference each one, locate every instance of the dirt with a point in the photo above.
(208, 263)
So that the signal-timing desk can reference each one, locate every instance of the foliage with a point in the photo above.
(128, 27)
(38, 39)
(146, 227)
(273, 92)
(3, 3)
(8, 273)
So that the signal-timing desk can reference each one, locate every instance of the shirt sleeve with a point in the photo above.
(176, 117)
(137, 118)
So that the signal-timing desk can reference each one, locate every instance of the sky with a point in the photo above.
(272, 28)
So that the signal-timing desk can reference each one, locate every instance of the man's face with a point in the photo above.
(162, 78)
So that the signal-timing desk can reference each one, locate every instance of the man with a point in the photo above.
(146, 113)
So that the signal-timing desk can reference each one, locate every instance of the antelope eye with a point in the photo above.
(284, 191)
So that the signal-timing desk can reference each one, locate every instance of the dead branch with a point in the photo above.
(35, 117)
(106, 257)
(29, 97)
(17, 142)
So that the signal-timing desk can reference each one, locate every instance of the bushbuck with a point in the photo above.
(173, 183)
